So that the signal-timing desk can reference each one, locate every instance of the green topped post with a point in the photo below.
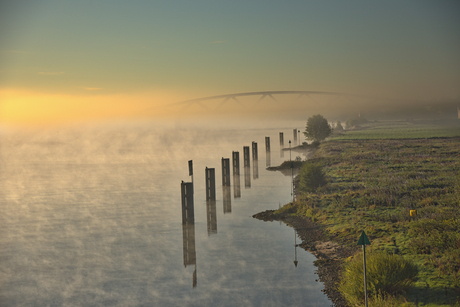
(364, 240)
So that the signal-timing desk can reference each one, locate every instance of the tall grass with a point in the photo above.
(386, 275)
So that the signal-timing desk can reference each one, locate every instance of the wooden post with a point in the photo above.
(190, 169)
(226, 172)
(247, 165)
(255, 161)
(255, 155)
(188, 224)
(246, 160)
(210, 184)
(236, 174)
(188, 211)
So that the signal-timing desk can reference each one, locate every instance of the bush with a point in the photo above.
(311, 177)
(386, 275)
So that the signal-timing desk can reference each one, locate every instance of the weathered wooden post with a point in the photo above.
(255, 155)
(364, 240)
(255, 161)
(188, 224)
(188, 212)
(210, 184)
(236, 174)
(246, 160)
(247, 164)
(226, 185)
(190, 169)
(226, 172)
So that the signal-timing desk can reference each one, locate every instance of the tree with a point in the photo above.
(317, 128)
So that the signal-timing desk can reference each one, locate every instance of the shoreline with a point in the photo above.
(329, 254)
(361, 196)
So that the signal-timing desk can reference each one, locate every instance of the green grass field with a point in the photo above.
(376, 176)
(401, 130)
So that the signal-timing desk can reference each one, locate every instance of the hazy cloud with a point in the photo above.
(217, 42)
(92, 88)
(16, 51)
(51, 73)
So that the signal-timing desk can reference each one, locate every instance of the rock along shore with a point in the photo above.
(329, 254)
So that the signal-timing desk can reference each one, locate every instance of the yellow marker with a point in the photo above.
(413, 212)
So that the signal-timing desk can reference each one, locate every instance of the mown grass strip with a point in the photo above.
(400, 130)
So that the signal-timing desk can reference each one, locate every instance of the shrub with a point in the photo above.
(311, 177)
(386, 275)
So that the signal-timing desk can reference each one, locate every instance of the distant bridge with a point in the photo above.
(262, 95)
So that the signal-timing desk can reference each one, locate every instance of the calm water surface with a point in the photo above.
(92, 217)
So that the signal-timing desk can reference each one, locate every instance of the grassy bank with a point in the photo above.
(374, 182)
(401, 130)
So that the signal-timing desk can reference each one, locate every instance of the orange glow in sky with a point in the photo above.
(37, 109)
(74, 61)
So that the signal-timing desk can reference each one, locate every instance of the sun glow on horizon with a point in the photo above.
(27, 108)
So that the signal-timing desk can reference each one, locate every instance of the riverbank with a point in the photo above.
(372, 186)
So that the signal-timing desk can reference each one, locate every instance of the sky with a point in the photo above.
(69, 61)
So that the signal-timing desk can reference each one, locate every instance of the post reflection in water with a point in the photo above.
(211, 216)
(227, 199)
(295, 248)
(188, 227)
(255, 161)
(236, 174)
(226, 185)
(247, 170)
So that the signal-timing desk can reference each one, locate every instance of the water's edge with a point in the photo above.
(330, 255)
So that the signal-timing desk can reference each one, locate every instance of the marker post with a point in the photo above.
(363, 240)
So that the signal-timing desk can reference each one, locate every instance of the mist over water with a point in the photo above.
(92, 217)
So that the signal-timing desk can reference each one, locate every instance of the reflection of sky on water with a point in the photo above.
(93, 217)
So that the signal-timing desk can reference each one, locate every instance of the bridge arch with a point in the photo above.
(263, 95)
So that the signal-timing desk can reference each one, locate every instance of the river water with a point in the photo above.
(92, 216)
